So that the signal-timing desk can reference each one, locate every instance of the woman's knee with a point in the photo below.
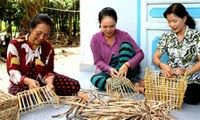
(126, 46)
(99, 82)
(126, 51)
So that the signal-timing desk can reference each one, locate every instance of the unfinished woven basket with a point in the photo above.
(8, 106)
(34, 99)
(120, 88)
(169, 90)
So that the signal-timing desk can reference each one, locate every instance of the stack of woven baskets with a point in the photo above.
(8, 106)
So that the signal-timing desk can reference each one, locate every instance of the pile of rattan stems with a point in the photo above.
(96, 106)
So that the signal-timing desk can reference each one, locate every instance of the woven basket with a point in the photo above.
(168, 90)
(120, 88)
(8, 106)
(34, 99)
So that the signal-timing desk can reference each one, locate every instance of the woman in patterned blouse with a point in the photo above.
(30, 61)
(182, 45)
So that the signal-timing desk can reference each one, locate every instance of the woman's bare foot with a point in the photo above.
(139, 88)
(141, 83)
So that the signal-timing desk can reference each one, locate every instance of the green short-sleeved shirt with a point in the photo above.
(184, 54)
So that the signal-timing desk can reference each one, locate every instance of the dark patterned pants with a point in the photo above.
(192, 94)
(64, 86)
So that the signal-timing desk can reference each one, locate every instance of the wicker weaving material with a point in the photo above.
(8, 106)
(34, 99)
(120, 88)
(169, 90)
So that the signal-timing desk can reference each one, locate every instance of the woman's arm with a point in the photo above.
(194, 68)
(156, 58)
(166, 69)
(98, 60)
(48, 70)
(13, 63)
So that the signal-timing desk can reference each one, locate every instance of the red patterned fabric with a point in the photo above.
(23, 62)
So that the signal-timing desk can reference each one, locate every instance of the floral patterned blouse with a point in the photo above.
(184, 54)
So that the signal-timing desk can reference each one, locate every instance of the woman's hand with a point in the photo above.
(51, 86)
(113, 72)
(31, 83)
(179, 71)
(167, 71)
(49, 82)
(123, 70)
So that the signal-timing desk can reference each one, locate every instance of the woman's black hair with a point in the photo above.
(41, 18)
(107, 11)
(179, 10)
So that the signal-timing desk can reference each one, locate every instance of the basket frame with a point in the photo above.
(37, 98)
(120, 88)
(168, 90)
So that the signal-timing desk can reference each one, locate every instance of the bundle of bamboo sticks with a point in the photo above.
(97, 107)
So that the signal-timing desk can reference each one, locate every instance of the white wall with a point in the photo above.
(89, 9)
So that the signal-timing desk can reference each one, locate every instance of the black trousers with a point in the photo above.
(192, 94)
